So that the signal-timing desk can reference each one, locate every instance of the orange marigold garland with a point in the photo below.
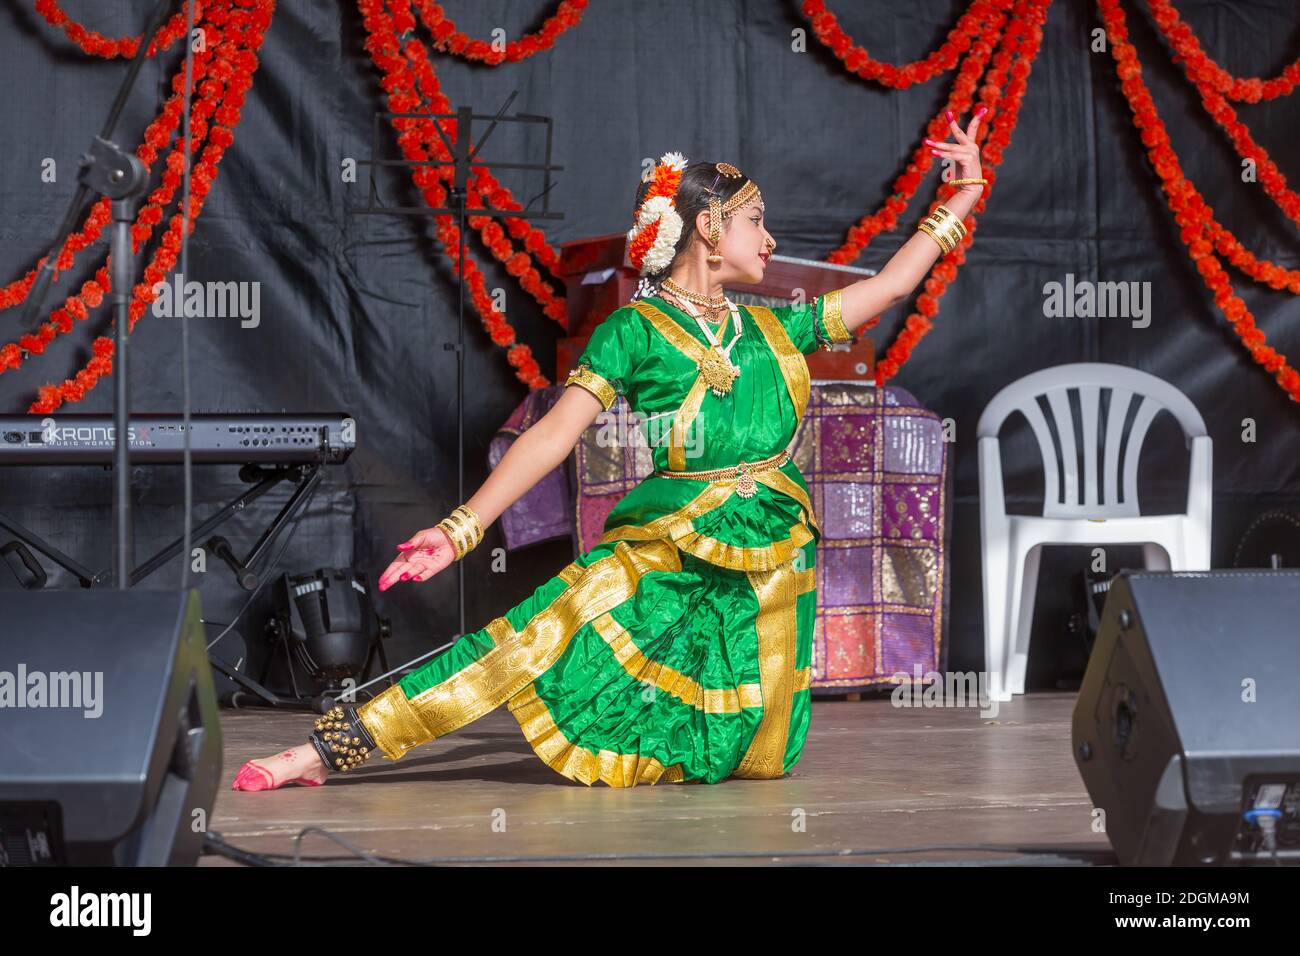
(484, 189)
(158, 134)
(1196, 68)
(244, 28)
(393, 59)
(885, 218)
(1190, 210)
(450, 40)
(96, 44)
(969, 26)
(1024, 35)
(1188, 48)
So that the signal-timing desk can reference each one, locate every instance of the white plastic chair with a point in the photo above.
(1012, 544)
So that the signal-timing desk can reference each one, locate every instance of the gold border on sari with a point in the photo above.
(679, 527)
(582, 375)
(776, 625)
(398, 724)
(579, 763)
(807, 580)
(763, 557)
(682, 421)
(721, 700)
(690, 347)
(794, 367)
(833, 316)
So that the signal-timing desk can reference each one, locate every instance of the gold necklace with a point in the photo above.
(714, 306)
(715, 366)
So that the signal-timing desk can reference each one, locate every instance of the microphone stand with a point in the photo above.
(120, 176)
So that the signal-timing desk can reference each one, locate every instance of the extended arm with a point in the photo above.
(905, 270)
(530, 458)
(534, 454)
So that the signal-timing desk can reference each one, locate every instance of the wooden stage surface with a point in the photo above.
(873, 777)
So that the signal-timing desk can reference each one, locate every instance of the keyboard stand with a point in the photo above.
(305, 477)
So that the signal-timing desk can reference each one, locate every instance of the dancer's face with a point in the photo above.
(746, 244)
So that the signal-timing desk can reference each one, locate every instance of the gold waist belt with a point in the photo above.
(742, 473)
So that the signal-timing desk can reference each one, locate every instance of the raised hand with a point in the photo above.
(424, 555)
(965, 152)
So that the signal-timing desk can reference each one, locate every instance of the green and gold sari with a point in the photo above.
(679, 648)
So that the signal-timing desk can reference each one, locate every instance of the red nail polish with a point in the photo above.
(981, 111)
(405, 546)
(405, 575)
(948, 113)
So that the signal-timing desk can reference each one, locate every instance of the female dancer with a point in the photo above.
(679, 648)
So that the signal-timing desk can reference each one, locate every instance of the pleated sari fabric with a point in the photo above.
(679, 648)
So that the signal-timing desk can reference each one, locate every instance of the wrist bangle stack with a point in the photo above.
(944, 227)
(464, 529)
(341, 739)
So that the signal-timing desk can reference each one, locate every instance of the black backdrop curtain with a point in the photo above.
(355, 309)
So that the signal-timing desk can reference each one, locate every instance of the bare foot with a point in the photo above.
(296, 765)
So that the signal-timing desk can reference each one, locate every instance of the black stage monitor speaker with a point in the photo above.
(110, 750)
(1187, 726)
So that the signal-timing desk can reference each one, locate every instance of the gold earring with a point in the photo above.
(715, 229)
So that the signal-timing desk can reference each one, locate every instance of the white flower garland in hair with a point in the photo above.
(670, 230)
(661, 208)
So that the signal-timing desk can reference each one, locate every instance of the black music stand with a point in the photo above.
(462, 159)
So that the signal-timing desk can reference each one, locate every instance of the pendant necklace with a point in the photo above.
(716, 367)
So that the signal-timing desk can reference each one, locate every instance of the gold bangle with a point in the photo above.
(453, 535)
(949, 218)
(945, 244)
(954, 235)
(969, 181)
(463, 528)
(466, 514)
(944, 227)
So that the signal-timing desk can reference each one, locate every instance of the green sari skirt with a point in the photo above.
(638, 662)
(679, 648)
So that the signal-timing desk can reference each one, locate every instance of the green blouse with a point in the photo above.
(647, 352)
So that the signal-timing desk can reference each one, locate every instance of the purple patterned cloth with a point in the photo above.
(875, 462)
(546, 510)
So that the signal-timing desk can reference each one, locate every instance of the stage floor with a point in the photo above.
(873, 777)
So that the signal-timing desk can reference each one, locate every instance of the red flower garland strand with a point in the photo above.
(1197, 70)
(1261, 270)
(417, 140)
(483, 187)
(450, 40)
(1189, 208)
(407, 68)
(1188, 48)
(1024, 35)
(158, 134)
(485, 182)
(959, 100)
(96, 44)
(858, 61)
(242, 28)
(399, 83)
